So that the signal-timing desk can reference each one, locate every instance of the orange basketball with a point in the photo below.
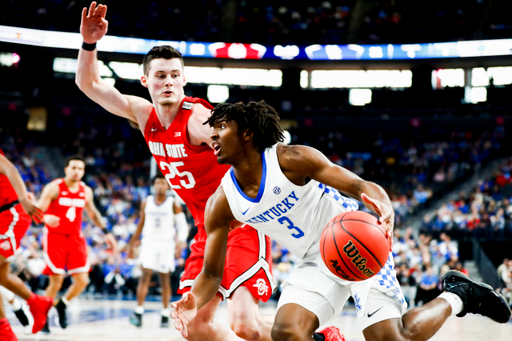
(354, 246)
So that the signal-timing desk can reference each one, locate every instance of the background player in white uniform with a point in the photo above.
(281, 191)
(158, 215)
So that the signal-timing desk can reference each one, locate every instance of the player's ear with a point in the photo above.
(184, 80)
(144, 81)
(247, 135)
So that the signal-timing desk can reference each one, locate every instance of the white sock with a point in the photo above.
(139, 309)
(166, 312)
(65, 300)
(16, 304)
(8, 295)
(454, 301)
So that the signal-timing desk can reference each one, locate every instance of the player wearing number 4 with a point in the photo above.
(283, 191)
(158, 215)
(172, 125)
(65, 248)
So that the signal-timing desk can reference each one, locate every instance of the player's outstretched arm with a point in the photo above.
(306, 162)
(97, 219)
(93, 27)
(217, 217)
(138, 231)
(25, 198)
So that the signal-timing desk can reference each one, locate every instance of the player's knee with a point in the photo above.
(56, 281)
(247, 330)
(196, 330)
(286, 332)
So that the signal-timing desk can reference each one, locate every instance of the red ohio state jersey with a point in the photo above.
(69, 208)
(7, 193)
(192, 171)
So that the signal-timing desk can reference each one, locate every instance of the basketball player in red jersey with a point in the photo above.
(173, 128)
(65, 248)
(16, 208)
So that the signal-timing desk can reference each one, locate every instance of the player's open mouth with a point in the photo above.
(168, 93)
(216, 148)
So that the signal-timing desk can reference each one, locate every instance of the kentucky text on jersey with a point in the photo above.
(173, 150)
(276, 211)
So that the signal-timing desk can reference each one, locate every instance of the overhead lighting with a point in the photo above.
(361, 78)
(359, 97)
(218, 93)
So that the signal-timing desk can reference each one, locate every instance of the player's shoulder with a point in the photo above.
(55, 183)
(290, 153)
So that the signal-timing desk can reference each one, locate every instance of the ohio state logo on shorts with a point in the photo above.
(262, 287)
(5, 245)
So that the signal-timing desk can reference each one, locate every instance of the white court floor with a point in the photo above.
(93, 319)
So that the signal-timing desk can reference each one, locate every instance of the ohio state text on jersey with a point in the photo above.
(69, 208)
(192, 171)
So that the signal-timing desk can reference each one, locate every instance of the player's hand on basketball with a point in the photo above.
(386, 215)
(184, 311)
(93, 26)
(51, 220)
(29, 205)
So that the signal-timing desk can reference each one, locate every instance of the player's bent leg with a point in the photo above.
(244, 317)
(54, 285)
(203, 328)
(11, 282)
(80, 282)
(294, 322)
(418, 324)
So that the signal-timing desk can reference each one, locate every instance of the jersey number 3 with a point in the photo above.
(187, 183)
(290, 226)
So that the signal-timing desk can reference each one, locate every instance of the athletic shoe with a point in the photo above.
(6, 333)
(478, 298)
(136, 319)
(332, 334)
(39, 307)
(165, 322)
(22, 317)
(61, 310)
(46, 328)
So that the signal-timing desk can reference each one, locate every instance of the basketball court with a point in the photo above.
(102, 319)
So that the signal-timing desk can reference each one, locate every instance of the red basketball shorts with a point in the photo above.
(65, 253)
(14, 222)
(248, 263)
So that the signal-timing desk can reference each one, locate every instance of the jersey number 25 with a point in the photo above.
(190, 182)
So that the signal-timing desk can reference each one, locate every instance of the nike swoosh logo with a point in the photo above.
(244, 212)
(153, 129)
(370, 315)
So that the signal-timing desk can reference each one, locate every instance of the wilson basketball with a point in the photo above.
(354, 246)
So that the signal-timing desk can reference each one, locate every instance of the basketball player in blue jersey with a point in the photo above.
(158, 216)
(290, 193)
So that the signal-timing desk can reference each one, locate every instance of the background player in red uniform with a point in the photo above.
(65, 248)
(15, 203)
(172, 125)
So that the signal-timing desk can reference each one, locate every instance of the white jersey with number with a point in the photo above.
(294, 216)
(159, 221)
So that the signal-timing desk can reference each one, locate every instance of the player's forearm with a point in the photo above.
(374, 191)
(205, 287)
(87, 72)
(16, 181)
(98, 221)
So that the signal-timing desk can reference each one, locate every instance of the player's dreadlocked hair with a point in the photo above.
(163, 51)
(259, 117)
